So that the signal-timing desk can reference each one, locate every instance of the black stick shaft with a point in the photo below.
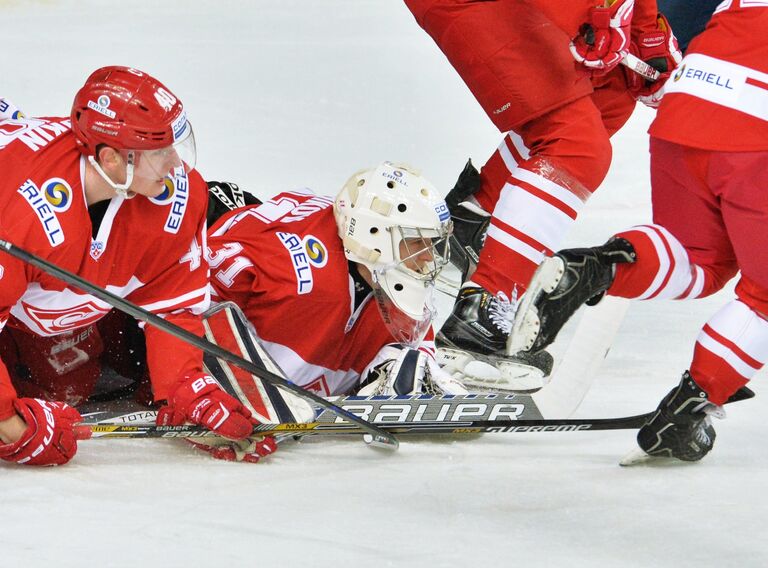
(380, 437)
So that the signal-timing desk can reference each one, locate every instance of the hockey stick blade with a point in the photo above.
(379, 437)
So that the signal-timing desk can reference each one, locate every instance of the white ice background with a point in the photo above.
(290, 93)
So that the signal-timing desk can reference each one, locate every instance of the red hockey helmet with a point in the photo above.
(128, 110)
(137, 115)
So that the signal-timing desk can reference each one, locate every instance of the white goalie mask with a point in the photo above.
(395, 223)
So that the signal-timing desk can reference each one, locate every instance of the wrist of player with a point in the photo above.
(12, 429)
(660, 50)
(603, 41)
(199, 399)
(49, 436)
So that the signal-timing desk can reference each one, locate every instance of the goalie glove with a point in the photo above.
(603, 41)
(658, 49)
(399, 370)
(249, 450)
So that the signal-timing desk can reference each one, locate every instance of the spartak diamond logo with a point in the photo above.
(57, 321)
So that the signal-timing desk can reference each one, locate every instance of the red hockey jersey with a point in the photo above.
(149, 251)
(283, 263)
(718, 97)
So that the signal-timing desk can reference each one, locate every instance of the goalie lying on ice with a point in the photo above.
(339, 291)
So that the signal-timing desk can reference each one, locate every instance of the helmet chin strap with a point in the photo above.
(120, 188)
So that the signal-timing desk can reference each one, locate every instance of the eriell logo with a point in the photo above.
(704, 76)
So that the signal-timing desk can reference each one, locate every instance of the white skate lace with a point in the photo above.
(501, 311)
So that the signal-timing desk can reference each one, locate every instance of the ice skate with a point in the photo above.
(472, 342)
(559, 287)
(681, 428)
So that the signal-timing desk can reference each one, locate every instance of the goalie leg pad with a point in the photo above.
(227, 326)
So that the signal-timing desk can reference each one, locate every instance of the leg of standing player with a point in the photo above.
(516, 62)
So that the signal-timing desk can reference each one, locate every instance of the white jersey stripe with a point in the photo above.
(532, 216)
(721, 82)
(506, 155)
(741, 325)
(733, 360)
(549, 187)
(180, 301)
(304, 373)
(515, 244)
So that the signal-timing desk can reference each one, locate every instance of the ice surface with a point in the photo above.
(290, 93)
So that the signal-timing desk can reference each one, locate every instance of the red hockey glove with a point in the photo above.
(200, 400)
(658, 49)
(250, 450)
(51, 435)
(604, 40)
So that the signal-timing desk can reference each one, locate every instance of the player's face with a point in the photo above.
(151, 169)
(417, 254)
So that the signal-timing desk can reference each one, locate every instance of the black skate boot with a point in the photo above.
(470, 222)
(477, 330)
(560, 286)
(472, 344)
(479, 322)
(680, 428)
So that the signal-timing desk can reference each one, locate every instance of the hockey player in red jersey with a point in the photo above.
(339, 291)
(709, 147)
(547, 74)
(111, 194)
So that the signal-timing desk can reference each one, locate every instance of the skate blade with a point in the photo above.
(453, 360)
(502, 376)
(526, 324)
(635, 457)
(490, 375)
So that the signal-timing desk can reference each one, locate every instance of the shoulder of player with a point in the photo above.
(292, 211)
(309, 266)
(29, 136)
(44, 202)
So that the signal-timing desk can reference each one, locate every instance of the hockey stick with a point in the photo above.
(640, 67)
(412, 414)
(149, 430)
(140, 424)
(379, 437)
